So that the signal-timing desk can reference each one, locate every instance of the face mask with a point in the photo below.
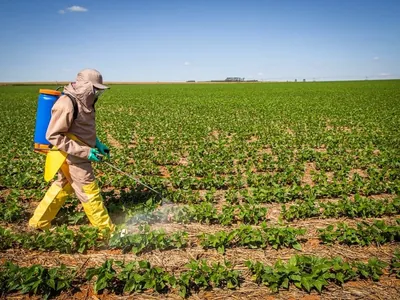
(97, 93)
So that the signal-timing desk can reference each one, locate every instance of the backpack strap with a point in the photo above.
(73, 100)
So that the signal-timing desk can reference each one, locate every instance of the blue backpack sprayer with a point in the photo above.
(46, 100)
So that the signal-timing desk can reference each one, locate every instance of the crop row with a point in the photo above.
(204, 212)
(361, 207)
(304, 272)
(12, 210)
(136, 276)
(60, 239)
(246, 236)
(242, 209)
(283, 186)
(264, 189)
(310, 272)
(254, 214)
(377, 233)
(364, 234)
(256, 190)
(66, 241)
(281, 182)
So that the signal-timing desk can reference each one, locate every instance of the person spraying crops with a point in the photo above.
(72, 147)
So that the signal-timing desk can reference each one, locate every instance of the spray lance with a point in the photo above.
(101, 157)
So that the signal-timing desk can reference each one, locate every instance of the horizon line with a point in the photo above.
(3, 83)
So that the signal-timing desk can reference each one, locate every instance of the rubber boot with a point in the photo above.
(94, 208)
(48, 208)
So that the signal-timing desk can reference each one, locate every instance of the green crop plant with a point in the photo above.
(395, 264)
(11, 209)
(35, 280)
(69, 214)
(251, 214)
(364, 234)
(8, 239)
(372, 270)
(139, 276)
(201, 275)
(302, 209)
(105, 276)
(147, 240)
(227, 216)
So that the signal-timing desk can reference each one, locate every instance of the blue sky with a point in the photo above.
(174, 40)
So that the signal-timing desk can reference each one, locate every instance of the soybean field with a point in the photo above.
(269, 191)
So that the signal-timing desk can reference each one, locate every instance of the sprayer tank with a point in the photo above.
(46, 100)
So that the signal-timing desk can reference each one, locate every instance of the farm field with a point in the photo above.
(272, 191)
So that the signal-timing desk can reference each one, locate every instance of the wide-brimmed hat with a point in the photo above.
(92, 76)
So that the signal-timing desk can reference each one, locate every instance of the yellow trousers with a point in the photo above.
(75, 175)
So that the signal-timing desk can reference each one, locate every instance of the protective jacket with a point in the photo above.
(83, 127)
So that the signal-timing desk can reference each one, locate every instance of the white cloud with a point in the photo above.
(385, 74)
(186, 63)
(61, 11)
(76, 8)
(376, 58)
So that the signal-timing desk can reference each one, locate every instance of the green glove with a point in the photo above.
(94, 155)
(102, 148)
